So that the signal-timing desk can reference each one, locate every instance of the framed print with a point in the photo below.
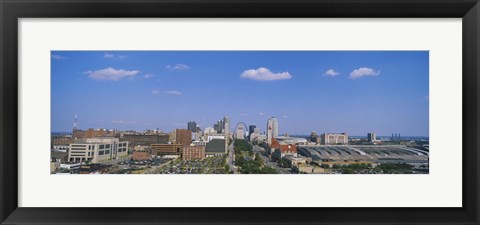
(239, 112)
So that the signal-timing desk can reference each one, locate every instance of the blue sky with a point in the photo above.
(324, 91)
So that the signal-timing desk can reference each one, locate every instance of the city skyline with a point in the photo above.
(355, 92)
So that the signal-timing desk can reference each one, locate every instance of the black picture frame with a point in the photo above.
(12, 10)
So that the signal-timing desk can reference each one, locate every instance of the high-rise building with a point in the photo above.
(183, 137)
(192, 126)
(220, 126)
(371, 137)
(226, 125)
(272, 129)
(255, 134)
(251, 129)
(313, 136)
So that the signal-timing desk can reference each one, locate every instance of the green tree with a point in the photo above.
(325, 166)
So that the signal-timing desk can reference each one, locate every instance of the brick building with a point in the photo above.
(145, 139)
(166, 149)
(140, 155)
(183, 137)
(281, 150)
(193, 152)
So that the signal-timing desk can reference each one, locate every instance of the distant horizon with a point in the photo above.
(281, 134)
(334, 91)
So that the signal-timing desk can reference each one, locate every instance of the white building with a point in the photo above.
(208, 130)
(329, 139)
(255, 134)
(372, 137)
(292, 140)
(70, 166)
(97, 150)
(272, 129)
(61, 148)
(210, 137)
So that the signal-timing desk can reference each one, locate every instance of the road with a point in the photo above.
(268, 162)
(231, 158)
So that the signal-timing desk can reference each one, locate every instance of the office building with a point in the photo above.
(183, 137)
(251, 129)
(313, 137)
(61, 143)
(255, 134)
(193, 152)
(220, 126)
(226, 125)
(166, 149)
(97, 150)
(145, 139)
(372, 137)
(334, 139)
(192, 126)
(272, 129)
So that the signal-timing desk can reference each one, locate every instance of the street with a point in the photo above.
(231, 158)
(268, 162)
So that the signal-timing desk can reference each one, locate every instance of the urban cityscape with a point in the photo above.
(101, 126)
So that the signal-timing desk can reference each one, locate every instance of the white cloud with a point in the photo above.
(111, 74)
(262, 114)
(58, 57)
(108, 55)
(113, 56)
(243, 114)
(264, 74)
(331, 73)
(285, 117)
(363, 71)
(123, 122)
(156, 92)
(147, 75)
(178, 67)
(174, 92)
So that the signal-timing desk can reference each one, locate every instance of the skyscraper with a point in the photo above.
(251, 129)
(226, 125)
(219, 126)
(313, 136)
(272, 129)
(371, 137)
(192, 126)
